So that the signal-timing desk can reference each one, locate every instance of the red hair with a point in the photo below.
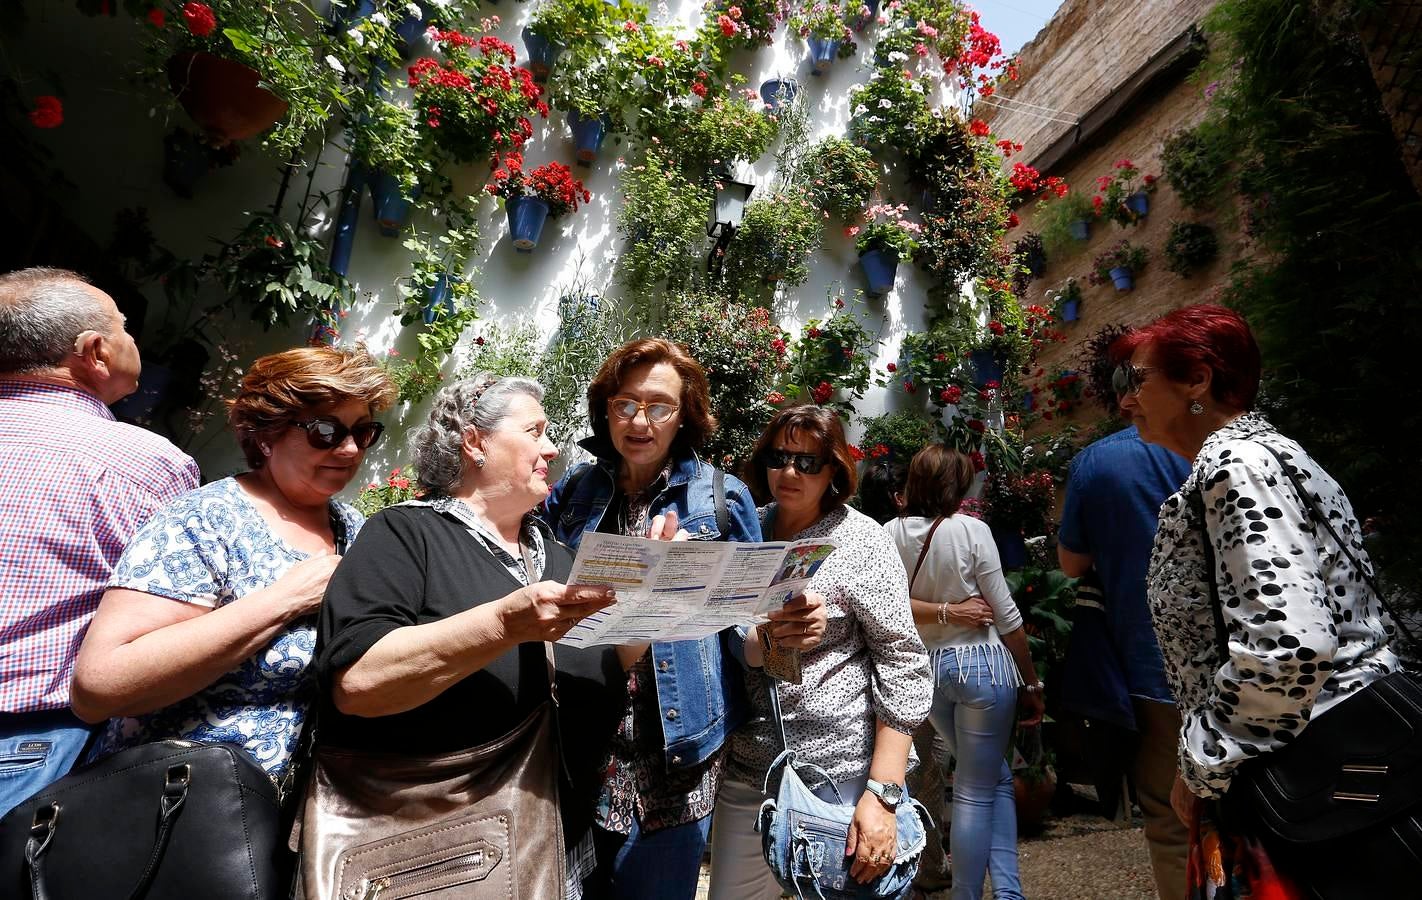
(1201, 335)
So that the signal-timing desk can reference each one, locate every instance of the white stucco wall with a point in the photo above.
(110, 146)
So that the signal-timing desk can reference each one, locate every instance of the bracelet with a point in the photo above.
(1034, 688)
(942, 614)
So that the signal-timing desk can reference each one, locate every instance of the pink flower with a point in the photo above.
(728, 26)
(775, 398)
(631, 26)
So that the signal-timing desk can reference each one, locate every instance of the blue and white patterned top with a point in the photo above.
(212, 547)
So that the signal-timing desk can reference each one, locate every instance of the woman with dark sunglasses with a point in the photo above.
(207, 630)
(650, 407)
(865, 685)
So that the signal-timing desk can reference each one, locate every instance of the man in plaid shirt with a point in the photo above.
(75, 485)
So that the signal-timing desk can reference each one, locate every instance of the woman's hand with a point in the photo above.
(1185, 804)
(547, 610)
(664, 528)
(304, 584)
(1031, 706)
(873, 839)
(973, 612)
(799, 624)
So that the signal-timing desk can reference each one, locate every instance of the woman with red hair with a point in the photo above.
(1259, 586)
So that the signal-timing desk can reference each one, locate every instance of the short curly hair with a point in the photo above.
(698, 423)
(281, 388)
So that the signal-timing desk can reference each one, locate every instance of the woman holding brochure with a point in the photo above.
(650, 408)
(864, 688)
(433, 648)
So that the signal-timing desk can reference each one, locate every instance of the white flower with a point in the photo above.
(414, 10)
(358, 36)
(860, 110)
(380, 18)
(916, 86)
(885, 103)
(335, 64)
(898, 56)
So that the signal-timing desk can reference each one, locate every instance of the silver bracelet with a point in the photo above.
(942, 614)
(1034, 688)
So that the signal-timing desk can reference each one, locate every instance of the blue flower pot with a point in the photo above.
(987, 366)
(542, 54)
(411, 29)
(392, 206)
(1011, 548)
(588, 135)
(822, 55)
(352, 13)
(185, 162)
(865, 19)
(1122, 278)
(1080, 229)
(153, 384)
(1138, 203)
(343, 236)
(526, 218)
(880, 268)
(777, 91)
(1029, 401)
(1071, 310)
(438, 299)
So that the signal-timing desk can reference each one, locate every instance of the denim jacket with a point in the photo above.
(700, 686)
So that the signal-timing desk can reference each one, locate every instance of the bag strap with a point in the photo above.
(170, 804)
(718, 495)
(923, 553)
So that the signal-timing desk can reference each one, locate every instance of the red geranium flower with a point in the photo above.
(200, 18)
(48, 112)
(891, 368)
(821, 392)
(157, 18)
(855, 453)
(979, 128)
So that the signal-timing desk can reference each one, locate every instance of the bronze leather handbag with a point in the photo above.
(477, 824)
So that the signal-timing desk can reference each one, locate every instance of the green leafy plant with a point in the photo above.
(588, 335)
(279, 271)
(1045, 597)
(827, 20)
(1195, 162)
(899, 435)
(745, 24)
(720, 132)
(663, 76)
(886, 228)
(1121, 255)
(1021, 502)
(744, 354)
(840, 176)
(1055, 216)
(400, 485)
(663, 220)
(1069, 292)
(511, 350)
(1191, 246)
(891, 110)
(1067, 391)
(774, 242)
(829, 363)
(573, 24)
(283, 40)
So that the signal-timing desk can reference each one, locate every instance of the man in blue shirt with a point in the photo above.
(1114, 493)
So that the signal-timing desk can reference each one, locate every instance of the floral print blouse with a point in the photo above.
(1305, 629)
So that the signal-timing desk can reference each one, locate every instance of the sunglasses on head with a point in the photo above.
(1129, 379)
(805, 463)
(626, 408)
(326, 433)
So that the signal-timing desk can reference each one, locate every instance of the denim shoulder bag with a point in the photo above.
(803, 836)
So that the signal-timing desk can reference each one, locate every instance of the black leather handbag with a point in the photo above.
(171, 820)
(1349, 787)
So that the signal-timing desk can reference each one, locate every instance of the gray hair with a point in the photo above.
(480, 402)
(42, 311)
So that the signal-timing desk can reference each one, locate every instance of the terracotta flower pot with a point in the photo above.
(1033, 797)
(222, 96)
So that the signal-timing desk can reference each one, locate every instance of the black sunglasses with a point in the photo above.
(326, 433)
(1128, 379)
(805, 463)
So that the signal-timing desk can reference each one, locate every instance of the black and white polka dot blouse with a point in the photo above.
(1305, 630)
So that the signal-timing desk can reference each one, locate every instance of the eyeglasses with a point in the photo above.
(805, 463)
(658, 413)
(1129, 379)
(328, 433)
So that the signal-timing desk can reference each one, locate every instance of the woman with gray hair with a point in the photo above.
(432, 646)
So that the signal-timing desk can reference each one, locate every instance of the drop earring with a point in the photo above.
(1196, 409)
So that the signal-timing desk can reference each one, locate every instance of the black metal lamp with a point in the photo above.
(727, 208)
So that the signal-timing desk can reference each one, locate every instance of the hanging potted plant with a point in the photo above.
(1066, 301)
(1190, 247)
(586, 86)
(663, 223)
(1019, 506)
(743, 24)
(475, 103)
(1124, 195)
(885, 238)
(1064, 221)
(840, 176)
(531, 198)
(1119, 265)
(829, 363)
(773, 243)
(279, 271)
(778, 92)
(720, 133)
(561, 25)
(824, 25)
(891, 111)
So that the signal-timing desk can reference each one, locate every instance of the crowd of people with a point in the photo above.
(137, 605)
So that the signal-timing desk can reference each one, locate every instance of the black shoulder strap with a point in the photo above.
(718, 496)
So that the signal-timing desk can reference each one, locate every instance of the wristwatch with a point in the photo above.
(889, 794)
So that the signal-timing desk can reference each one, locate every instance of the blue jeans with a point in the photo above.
(36, 750)
(661, 865)
(975, 719)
